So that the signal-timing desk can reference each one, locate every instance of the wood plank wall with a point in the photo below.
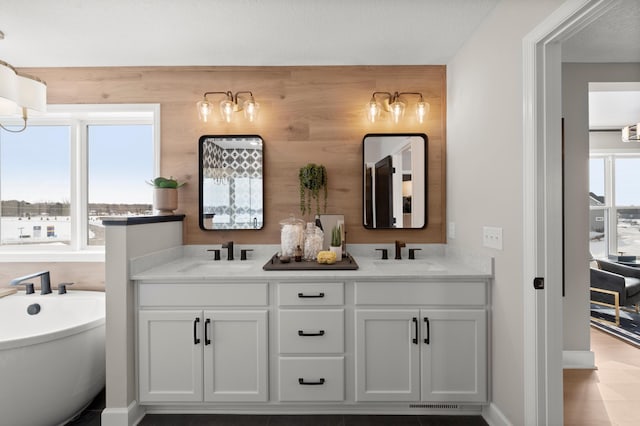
(308, 114)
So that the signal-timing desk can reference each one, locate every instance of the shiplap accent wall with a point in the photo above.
(308, 114)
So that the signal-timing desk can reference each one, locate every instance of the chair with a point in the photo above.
(615, 286)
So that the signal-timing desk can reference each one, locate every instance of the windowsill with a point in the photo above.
(51, 256)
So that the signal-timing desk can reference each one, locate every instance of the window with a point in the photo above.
(614, 192)
(68, 169)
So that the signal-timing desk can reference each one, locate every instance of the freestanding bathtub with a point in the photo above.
(52, 363)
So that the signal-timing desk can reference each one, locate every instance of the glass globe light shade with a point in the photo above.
(397, 110)
(373, 111)
(204, 110)
(226, 110)
(251, 110)
(422, 110)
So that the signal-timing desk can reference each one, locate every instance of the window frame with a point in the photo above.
(79, 117)
(610, 205)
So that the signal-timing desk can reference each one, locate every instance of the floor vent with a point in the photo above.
(455, 406)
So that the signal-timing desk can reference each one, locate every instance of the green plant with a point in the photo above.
(313, 179)
(336, 236)
(162, 182)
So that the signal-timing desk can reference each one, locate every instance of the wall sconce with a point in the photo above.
(230, 104)
(395, 104)
(19, 93)
(630, 133)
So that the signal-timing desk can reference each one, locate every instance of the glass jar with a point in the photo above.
(291, 235)
(313, 240)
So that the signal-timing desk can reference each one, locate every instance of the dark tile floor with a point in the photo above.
(91, 417)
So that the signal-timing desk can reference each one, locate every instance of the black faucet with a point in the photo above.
(399, 245)
(229, 246)
(45, 282)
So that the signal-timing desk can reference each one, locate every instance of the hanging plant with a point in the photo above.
(313, 179)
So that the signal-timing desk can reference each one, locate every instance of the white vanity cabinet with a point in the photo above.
(405, 352)
(202, 355)
(311, 341)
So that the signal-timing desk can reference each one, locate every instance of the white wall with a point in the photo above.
(575, 109)
(484, 174)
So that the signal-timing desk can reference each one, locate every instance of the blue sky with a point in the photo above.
(627, 180)
(35, 164)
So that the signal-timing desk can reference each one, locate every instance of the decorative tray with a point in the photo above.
(274, 264)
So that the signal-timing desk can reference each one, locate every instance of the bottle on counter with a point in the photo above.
(297, 254)
(313, 240)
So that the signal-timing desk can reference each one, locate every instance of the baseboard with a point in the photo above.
(128, 416)
(494, 417)
(578, 360)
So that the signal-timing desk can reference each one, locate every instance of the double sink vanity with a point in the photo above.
(393, 336)
(191, 331)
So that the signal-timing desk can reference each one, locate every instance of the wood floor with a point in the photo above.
(609, 395)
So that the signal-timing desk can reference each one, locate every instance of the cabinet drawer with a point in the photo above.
(421, 293)
(310, 294)
(311, 379)
(311, 331)
(204, 294)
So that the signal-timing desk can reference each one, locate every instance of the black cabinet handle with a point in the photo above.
(195, 331)
(426, 339)
(303, 382)
(207, 341)
(302, 333)
(415, 324)
(306, 296)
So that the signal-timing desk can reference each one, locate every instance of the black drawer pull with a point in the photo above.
(415, 323)
(302, 333)
(309, 296)
(303, 382)
(207, 341)
(195, 331)
(426, 339)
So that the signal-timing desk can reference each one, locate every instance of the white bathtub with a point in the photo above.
(52, 364)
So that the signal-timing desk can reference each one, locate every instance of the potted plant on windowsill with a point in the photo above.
(165, 195)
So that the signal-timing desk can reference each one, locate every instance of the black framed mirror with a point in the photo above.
(394, 169)
(231, 182)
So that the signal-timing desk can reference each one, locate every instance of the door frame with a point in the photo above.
(542, 206)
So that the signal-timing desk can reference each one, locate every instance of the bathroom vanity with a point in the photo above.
(393, 336)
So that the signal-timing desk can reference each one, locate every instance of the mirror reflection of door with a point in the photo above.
(395, 181)
(384, 217)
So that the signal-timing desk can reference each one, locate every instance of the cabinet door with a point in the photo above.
(235, 356)
(387, 355)
(454, 355)
(170, 355)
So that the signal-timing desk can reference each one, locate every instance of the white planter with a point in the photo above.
(165, 201)
(337, 251)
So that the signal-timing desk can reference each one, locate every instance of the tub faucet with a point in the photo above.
(229, 246)
(45, 282)
(399, 245)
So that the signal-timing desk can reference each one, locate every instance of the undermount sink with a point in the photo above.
(213, 266)
(407, 265)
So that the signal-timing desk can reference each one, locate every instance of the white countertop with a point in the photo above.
(195, 263)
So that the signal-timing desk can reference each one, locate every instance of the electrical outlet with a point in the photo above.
(492, 237)
(452, 230)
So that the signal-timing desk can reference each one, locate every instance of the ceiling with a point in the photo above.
(74, 33)
(614, 37)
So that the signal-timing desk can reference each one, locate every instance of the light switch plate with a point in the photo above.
(452, 230)
(492, 237)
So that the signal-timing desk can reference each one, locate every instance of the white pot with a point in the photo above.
(337, 251)
(165, 201)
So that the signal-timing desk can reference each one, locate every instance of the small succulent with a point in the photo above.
(336, 236)
(162, 182)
